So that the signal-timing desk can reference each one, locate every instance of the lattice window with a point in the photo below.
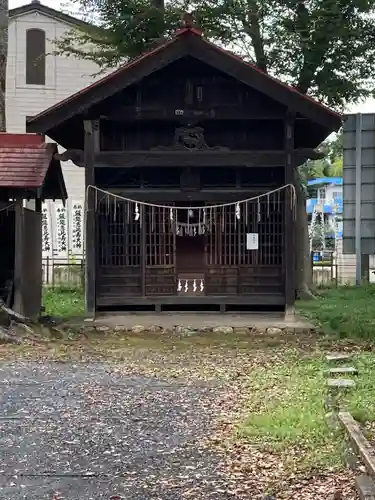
(226, 240)
(160, 236)
(119, 234)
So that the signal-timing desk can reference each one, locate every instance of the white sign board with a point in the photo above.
(76, 228)
(47, 246)
(252, 241)
(61, 246)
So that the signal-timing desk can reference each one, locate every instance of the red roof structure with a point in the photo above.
(188, 41)
(27, 163)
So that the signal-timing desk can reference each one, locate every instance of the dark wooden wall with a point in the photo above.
(27, 278)
(32, 264)
(6, 249)
(145, 115)
(175, 177)
(27, 261)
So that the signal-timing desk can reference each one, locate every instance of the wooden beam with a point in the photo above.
(91, 142)
(167, 112)
(361, 445)
(365, 487)
(271, 299)
(205, 158)
(289, 226)
(171, 195)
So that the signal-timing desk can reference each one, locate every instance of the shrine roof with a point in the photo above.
(187, 41)
(27, 163)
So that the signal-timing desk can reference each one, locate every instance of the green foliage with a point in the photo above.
(323, 47)
(346, 312)
(337, 167)
(286, 412)
(331, 165)
(63, 301)
(119, 31)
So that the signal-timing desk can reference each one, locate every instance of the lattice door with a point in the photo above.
(234, 269)
(118, 249)
(160, 246)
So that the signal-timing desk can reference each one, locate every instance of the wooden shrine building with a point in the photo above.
(28, 172)
(179, 145)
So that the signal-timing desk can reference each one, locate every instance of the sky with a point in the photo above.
(55, 4)
(365, 107)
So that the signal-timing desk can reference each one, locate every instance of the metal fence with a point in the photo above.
(63, 271)
(337, 270)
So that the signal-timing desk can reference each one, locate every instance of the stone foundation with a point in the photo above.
(190, 330)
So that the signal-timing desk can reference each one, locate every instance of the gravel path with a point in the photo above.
(78, 431)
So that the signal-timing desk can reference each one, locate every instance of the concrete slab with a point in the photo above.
(202, 320)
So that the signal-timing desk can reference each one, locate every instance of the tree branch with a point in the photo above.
(315, 39)
(251, 25)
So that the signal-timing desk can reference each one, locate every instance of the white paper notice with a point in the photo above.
(252, 241)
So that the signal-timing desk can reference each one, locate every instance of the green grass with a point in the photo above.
(65, 302)
(286, 411)
(285, 386)
(346, 312)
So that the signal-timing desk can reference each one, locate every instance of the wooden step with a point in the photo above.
(337, 357)
(365, 487)
(360, 444)
(340, 383)
(342, 370)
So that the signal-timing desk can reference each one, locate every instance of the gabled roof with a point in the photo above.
(187, 42)
(27, 163)
(36, 6)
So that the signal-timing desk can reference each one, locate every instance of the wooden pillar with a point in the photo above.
(39, 255)
(19, 246)
(92, 146)
(142, 248)
(289, 226)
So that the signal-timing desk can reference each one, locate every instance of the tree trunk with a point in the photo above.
(303, 258)
(4, 8)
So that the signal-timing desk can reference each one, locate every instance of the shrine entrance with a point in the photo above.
(190, 252)
(180, 253)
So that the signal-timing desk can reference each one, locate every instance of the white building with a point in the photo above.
(329, 194)
(38, 79)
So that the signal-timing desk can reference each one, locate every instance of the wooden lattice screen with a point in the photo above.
(160, 248)
(118, 249)
(232, 268)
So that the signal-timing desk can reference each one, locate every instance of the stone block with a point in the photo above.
(337, 357)
(120, 328)
(155, 329)
(102, 328)
(223, 329)
(254, 330)
(273, 330)
(184, 330)
(138, 329)
(342, 370)
(340, 383)
(241, 330)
